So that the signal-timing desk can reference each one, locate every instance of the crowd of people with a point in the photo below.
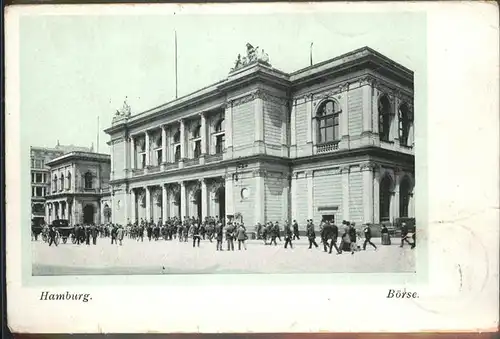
(215, 229)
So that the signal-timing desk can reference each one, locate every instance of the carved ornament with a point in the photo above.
(253, 55)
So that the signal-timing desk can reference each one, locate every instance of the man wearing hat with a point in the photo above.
(311, 234)
(368, 237)
(295, 230)
(404, 234)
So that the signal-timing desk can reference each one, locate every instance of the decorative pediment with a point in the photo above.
(253, 55)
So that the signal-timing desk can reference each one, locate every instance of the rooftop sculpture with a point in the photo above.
(253, 55)
(123, 113)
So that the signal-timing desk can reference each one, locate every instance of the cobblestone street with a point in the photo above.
(172, 257)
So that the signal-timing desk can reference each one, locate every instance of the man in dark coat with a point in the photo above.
(230, 236)
(311, 234)
(94, 232)
(219, 234)
(404, 234)
(52, 236)
(329, 236)
(87, 235)
(368, 236)
(196, 234)
(295, 230)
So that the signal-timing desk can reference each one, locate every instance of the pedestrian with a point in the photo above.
(120, 234)
(241, 235)
(295, 230)
(52, 236)
(219, 234)
(311, 234)
(288, 235)
(113, 235)
(329, 236)
(404, 234)
(87, 235)
(386, 238)
(368, 237)
(277, 231)
(230, 236)
(345, 243)
(94, 232)
(196, 234)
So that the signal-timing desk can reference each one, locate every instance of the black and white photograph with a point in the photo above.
(279, 166)
(261, 151)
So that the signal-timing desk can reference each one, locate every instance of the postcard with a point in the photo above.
(252, 167)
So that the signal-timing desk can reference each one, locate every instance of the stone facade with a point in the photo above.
(40, 176)
(79, 189)
(331, 140)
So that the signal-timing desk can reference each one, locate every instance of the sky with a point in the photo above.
(75, 70)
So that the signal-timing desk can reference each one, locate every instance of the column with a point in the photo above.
(133, 154)
(345, 192)
(367, 107)
(375, 109)
(259, 197)
(184, 211)
(163, 146)
(228, 117)
(344, 118)
(293, 189)
(148, 151)
(203, 133)
(259, 123)
(183, 142)
(284, 132)
(284, 199)
(367, 173)
(395, 196)
(229, 195)
(310, 195)
(293, 135)
(133, 207)
(164, 203)
(376, 196)
(394, 131)
(148, 203)
(73, 213)
(309, 114)
(411, 205)
(204, 202)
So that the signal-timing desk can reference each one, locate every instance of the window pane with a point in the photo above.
(329, 107)
(336, 132)
(336, 119)
(329, 134)
(329, 122)
(321, 123)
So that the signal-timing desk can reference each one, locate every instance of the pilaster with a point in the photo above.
(163, 147)
(259, 146)
(133, 206)
(293, 131)
(204, 197)
(203, 133)
(148, 203)
(182, 129)
(228, 133)
(259, 176)
(133, 161)
(344, 118)
(376, 195)
(229, 195)
(310, 194)
(164, 202)
(345, 170)
(148, 148)
(294, 201)
(367, 173)
(184, 211)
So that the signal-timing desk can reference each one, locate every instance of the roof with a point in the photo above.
(77, 155)
(364, 55)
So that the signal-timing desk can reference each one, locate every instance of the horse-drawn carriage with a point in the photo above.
(64, 231)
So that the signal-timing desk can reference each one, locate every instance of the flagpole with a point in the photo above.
(311, 53)
(97, 147)
(175, 64)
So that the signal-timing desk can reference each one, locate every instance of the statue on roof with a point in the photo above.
(124, 112)
(253, 55)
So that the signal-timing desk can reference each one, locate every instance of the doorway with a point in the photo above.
(88, 214)
(221, 197)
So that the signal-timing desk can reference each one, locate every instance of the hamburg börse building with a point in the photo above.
(331, 141)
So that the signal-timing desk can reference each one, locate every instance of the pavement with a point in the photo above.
(173, 257)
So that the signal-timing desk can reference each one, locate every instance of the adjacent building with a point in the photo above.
(331, 141)
(40, 182)
(79, 188)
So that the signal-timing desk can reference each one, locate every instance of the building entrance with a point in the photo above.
(221, 197)
(88, 214)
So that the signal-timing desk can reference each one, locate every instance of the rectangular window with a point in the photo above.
(219, 144)
(197, 148)
(32, 177)
(159, 157)
(328, 217)
(32, 163)
(45, 178)
(44, 191)
(177, 153)
(143, 160)
(39, 191)
(39, 177)
(32, 191)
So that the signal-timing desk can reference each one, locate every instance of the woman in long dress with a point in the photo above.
(386, 238)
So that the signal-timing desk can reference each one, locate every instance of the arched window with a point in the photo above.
(327, 118)
(384, 118)
(62, 182)
(385, 198)
(54, 184)
(88, 180)
(220, 138)
(404, 197)
(405, 121)
(68, 186)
